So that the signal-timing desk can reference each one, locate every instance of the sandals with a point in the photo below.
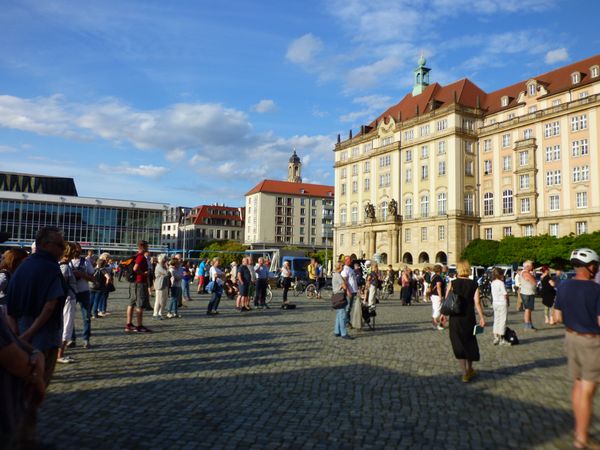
(590, 444)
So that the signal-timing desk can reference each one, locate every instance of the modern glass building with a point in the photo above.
(100, 224)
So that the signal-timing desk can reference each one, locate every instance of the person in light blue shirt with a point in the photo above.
(262, 279)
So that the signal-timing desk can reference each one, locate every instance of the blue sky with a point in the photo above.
(190, 102)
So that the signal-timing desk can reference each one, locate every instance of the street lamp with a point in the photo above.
(184, 229)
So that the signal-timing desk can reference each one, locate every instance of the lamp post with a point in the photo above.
(184, 230)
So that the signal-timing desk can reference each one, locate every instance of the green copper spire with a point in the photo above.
(421, 76)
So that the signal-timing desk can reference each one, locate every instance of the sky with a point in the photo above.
(195, 102)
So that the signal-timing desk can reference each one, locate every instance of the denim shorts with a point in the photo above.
(528, 301)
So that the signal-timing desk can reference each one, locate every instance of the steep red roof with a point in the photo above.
(289, 188)
(217, 212)
(469, 94)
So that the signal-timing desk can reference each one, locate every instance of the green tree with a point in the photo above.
(481, 252)
(226, 251)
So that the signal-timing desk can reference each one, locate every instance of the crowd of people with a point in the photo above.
(39, 294)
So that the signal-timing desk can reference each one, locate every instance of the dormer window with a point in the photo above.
(532, 88)
(595, 71)
(575, 77)
(504, 101)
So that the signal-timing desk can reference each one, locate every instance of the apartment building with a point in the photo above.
(290, 213)
(215, 222)
(449, 164)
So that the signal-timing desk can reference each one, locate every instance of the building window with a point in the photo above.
(384, 180)
(580, 227)
(532, 89)
(355, 151)
(469, 168)
(528, 133)
(408, 208)
(384, 210)
(510, 116)
(506, 231)
(441, 233)
(441, 203)
(386, 141)
(408, 176)
(469, 233)
(424, 130)
(407, 235)
(579, 122)
(368, 147)
(524, 181)
(442, 148)
(441, 168)
(343, 188)
(343, 173)
(595, 72)
(553, 229)
(488, 233)
(355, 186)
(575, 77)
(343, 216)
(469, 147)
(528, 230)
(341, 239)
(531, 110)
(504, 101)
(553, 177)
(488, 204)
(367, 184)
(525, 205)
(409, 134)
(507, 201)
(367, 167)
(581, 173)
(408, 155)
(425, 205)
(523, 158)
(487, 145)
(355, 169)
(580, 148)
(424, 172)
(581, 199)
(507, 163)
(554, 202)
(552, 129)
(442, 124)
(553, 153)
(468, 201)
(487, 167)
(354, 215)
(385, 161)
(424, 151)
(583, 94)
(506, 140)
(423, 234)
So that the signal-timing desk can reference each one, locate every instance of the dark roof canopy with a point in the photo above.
(37, 184)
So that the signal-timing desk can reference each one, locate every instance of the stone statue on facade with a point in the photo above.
(369, 211)
(393, 208)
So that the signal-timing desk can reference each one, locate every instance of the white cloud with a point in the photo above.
(176, 155)
(264, 106)
(7, 149)
(143, 170)
(304, 49)
(557, 55)
(370, 105)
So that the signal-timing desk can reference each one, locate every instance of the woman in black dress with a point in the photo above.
(464, 342)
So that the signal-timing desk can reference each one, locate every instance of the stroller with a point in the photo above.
(368, 314)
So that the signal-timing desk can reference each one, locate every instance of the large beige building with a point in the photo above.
(449, 164)
(290, 213)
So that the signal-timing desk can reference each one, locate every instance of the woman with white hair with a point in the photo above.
(161, 286)
(103, 304)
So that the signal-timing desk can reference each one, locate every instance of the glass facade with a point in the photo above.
(94, 226)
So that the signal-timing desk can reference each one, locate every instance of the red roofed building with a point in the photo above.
(212, 223)
(281, 213)
(448, 164)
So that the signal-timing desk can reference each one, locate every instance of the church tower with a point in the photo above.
(421, 77)
(294, 169)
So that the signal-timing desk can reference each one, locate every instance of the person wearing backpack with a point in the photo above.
(438, 292)
(140, 297)
(83, 271)
(162, 283)
(99, 287)
(10, 261)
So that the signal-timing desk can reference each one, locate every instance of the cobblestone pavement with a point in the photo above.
(280, 379)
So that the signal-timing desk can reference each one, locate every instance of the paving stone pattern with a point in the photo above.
(280, 380)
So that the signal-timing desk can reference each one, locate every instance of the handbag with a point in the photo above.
(110, 287)
(338, 300)
(452, 305)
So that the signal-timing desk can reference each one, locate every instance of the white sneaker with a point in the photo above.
(439, 327)
(65, 360)
(170, 316)
(496, 341)
(504, 343)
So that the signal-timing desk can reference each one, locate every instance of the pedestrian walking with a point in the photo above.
(83, 271)
(176, 277)
(438, 293)
(462, 336)
(500, 305)
(578, 307)
(349, 276)
(216, 277)
(528, 288)
(286, 281)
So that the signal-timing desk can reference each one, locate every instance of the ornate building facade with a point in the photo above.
(449, 164)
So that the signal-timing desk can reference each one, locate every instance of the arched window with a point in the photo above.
(384, 210)
(423, 258)
(407, 258)
(441, 257)
(441, 203)
(408, 208)
(488, 204)
(425, 205)
(354, 215)
(507, 201)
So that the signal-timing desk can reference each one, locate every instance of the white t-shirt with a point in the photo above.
(498, 292)
(215, 274)
(350, 277)
(82, 283)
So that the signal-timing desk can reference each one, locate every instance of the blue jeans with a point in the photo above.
(186, 288)
(83, 298)
(96, 298)
(213, 305)
(174, 299)
(340, 322)
(103, 302)
(348, 309)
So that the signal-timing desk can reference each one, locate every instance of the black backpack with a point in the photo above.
(511, 336)
(129, 268)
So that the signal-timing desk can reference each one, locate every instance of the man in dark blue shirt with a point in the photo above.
(578, 307)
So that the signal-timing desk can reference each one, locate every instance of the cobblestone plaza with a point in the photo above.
(280, 379)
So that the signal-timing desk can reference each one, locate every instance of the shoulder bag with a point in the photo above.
(452, 305)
